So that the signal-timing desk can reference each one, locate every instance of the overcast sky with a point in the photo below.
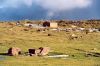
(49, 9)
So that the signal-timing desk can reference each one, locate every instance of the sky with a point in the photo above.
(49, 9)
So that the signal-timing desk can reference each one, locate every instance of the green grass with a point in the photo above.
(59, 43)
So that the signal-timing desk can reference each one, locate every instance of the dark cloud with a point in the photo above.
(39, 9)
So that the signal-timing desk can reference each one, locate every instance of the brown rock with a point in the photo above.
(44, 50)
(37, 52)
(31, 52)
(14, 51)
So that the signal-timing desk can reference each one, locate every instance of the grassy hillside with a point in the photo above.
(59, 43)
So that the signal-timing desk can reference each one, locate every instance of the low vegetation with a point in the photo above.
(58, 41)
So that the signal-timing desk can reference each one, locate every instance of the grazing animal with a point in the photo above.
(46, 24)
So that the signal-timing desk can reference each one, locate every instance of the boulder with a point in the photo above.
(44, 51)
(31, 52)
(73, 36)
(39, 52)
(49, 35)
(14, 51)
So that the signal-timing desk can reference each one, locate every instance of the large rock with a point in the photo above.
(39, 52)
(14, 51)
(44, 50)
(31, 52)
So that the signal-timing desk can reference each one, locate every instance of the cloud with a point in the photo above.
(15, 3)
(52, 6)
(62, 5)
